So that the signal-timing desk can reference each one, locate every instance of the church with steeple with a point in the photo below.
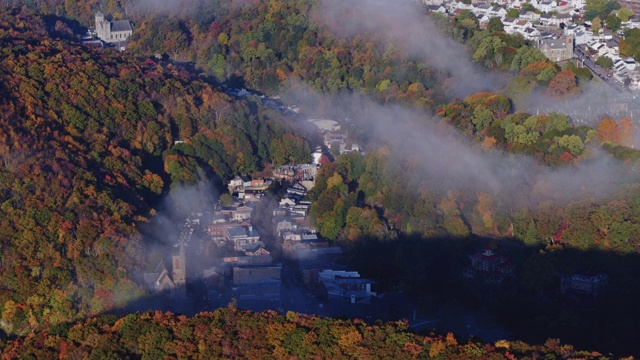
(169, 276)
(112, 31)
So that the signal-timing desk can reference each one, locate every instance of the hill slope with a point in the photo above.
(86, 149)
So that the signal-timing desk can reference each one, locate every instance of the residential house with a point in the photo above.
(296, 191)
(509, 25)
(564, 7)
(497, 11)
(547, 6)
(633, 23)
(530, 16)
(531, 33)
(238, 184)
(437, 8)
(481, 9)
(557, 20)
(545, 19)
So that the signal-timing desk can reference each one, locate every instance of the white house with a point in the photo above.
(497, 11)
(479, 10)
(564, 7)
(547, 6)
(530, 16)
(578, 4)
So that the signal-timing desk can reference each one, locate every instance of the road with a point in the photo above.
(604, 74)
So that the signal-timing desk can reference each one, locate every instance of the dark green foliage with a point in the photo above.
(605, 62)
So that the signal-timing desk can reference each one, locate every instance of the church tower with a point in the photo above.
(179, 270)
(103, 28)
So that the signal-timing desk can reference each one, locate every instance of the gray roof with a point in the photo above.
(121, 25)
(238, 231)
(555, 43)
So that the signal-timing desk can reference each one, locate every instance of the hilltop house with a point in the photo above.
(112, 31)
(489, 267)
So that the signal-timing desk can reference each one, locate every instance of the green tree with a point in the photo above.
(525, 56)
(495, 24)
(625, 14)
(531, 236)
(226, 199)
(605, 62)
(596, 24)
(573, 143)
(513, 13)
(613, 22)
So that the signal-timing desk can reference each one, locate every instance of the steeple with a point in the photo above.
(100, 26)
(179, 269)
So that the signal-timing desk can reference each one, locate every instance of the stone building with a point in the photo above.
(558, 50)
(112, 31)
(169, 276)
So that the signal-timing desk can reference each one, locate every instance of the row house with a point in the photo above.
(548, 19)
(530, 16)
(633, 23)
(236, 212)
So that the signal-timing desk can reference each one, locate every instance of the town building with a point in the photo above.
(346, 285)
(238, 237)
(112, 31)
(168, 276)
(558, 50)
(489, 267)
(591, 285)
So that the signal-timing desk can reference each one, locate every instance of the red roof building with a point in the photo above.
(489, 267)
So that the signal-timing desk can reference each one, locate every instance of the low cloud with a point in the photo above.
(443, 159)
(405, 25)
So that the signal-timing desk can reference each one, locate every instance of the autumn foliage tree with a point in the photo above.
(564, 84)
(622, 132)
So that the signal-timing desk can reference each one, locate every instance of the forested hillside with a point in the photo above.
(91, 139)
(87, 148)
(230, 333)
